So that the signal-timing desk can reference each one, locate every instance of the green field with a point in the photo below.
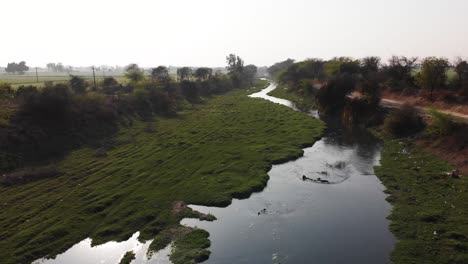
(209, 154)
(429, 215)
(31, 79)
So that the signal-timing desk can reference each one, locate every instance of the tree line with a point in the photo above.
(398, 73)
(332, 84)
(58, 117)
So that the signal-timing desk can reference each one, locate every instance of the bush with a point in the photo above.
(5, 90)
(24, 91)
(332, 96)
(111, 86)
(442, 124)
(49, 104)
(78, 84)
(189, 90)
(403, 122)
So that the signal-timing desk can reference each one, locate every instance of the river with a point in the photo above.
(302, 221)
(296, 218)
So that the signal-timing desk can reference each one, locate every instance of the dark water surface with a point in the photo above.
(292, 220)
(297, 221)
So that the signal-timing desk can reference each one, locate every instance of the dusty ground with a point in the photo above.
(457, 109)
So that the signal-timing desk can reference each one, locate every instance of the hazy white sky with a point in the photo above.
(203, 32)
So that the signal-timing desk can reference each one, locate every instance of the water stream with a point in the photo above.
(297, 218)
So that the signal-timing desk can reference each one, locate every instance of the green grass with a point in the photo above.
(430, 210)
(209, 154)
(303, 103)
(127, 258)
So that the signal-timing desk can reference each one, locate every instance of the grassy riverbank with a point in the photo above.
(209, 154)
(429, 215)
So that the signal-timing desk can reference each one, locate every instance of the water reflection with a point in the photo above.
(111, 252)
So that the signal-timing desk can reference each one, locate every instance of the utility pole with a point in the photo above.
(94, 77)
(37, 76)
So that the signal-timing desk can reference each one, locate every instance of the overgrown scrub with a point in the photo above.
(403, 122)
(429, 209)
(209, 154)
(332, 96)
(442, 124)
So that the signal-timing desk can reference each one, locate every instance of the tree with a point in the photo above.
(184, 73)
(160, 74)
(234, 64)
(433, 74)
(189, 90)
(59, 67)
(203, 73)
(14, 67)
(235, 67)
(399, 70)
(370, 65)
(250, 71)
(134, 73)
(51, 67)
(11, 67)
(110, 85)
(109, 82)
(77, 84)
(308, 69)
(279, 67)
(461, 68)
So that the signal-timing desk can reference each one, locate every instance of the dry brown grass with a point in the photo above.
(423, 101)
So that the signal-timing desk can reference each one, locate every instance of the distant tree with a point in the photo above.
(184, 73)
(134, 73)
(433, 74)
(250, 71)
(77, 84)
(235, 67)
(399, 70)
(160, 74)
(234, 64)
(22, 67)
(51, 67)
(203, 73)
(308, 69)
(370, 65)
(349, 66)
(461, 68)
(59, 67)
(279, 67)
(16, 67)
(11, 67)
